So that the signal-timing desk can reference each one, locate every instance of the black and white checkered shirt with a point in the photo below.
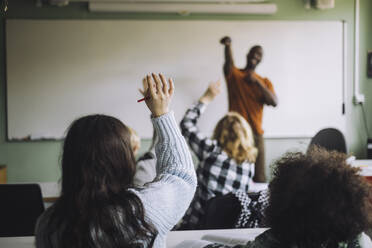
(217, 173)
(252, 210)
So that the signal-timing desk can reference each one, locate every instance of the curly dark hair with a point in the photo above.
(317, 200)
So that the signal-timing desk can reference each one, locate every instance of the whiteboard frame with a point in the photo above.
(267, 136)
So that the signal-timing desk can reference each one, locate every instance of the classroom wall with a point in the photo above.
(38, 161)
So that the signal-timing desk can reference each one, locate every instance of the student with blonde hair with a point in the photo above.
(235, 135)
(226, 160)
(135, 140)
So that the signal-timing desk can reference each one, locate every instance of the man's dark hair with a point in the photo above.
(255, 47)
(317, 200)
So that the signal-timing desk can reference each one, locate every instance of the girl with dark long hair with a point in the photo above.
(98, 206)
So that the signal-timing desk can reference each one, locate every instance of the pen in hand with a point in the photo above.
(143, 99)
(158, 89)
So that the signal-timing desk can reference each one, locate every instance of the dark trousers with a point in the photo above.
(259, 174)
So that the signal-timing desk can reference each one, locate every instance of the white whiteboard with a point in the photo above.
(58, 70)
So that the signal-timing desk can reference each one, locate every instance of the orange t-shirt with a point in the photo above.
(246, 98)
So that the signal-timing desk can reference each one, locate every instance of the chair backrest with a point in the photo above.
(330, 139)
(20, 206)
(221, 212)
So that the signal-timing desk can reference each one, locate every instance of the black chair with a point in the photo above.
(330, 139)
(20, 206)
(221, 212)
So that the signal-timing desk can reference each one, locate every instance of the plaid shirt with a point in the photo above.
(253, 207)
(217, 173)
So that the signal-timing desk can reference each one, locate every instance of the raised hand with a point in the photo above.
(144, 86)
(158, 94)
(225, 40)
(212, 91)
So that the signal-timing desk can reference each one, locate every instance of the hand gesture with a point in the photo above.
(158, 93)
(144, 86)
(212, 91)
(225, 40)
(251, 78)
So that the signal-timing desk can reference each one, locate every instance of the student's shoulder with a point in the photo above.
(362, 241)
(149, 155)
(215, 154)
(48, 212)
(234, 71)
(238, 71)
(266, 80)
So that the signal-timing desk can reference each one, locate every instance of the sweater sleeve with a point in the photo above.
(166, 198)
(198, 142)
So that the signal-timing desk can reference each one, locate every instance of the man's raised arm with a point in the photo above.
(229, 62)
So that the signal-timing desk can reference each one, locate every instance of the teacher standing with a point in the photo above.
(248, 92)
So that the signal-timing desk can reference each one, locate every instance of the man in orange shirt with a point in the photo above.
(248, 92)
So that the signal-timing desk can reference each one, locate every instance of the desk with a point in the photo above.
(173, 238)
(17, 242)
(176, 237)
(50, 191)
(365, 166)
(362, 162)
